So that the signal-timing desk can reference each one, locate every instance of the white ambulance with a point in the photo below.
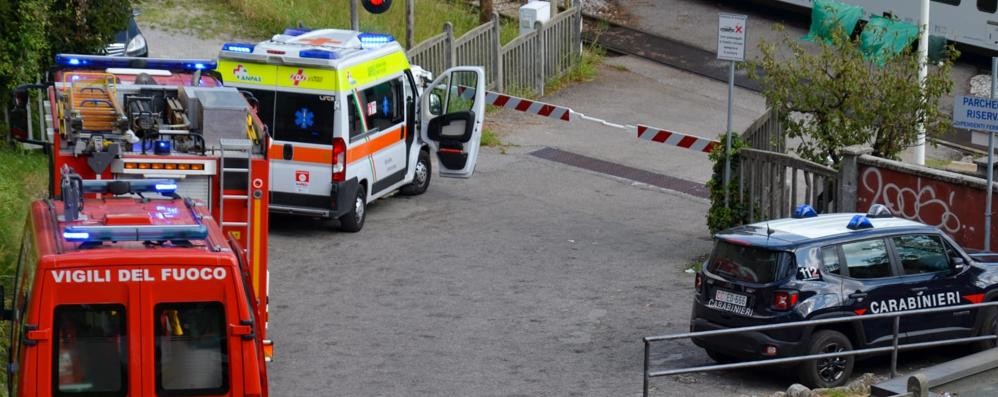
(351, 122)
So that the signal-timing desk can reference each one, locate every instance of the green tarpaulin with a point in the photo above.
(883, 38)
(827, 16)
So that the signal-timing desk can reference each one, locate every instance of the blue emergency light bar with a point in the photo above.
(165, 187)
(238, 47)
(859, 222)
(296, 31)
(804, 211)
(317, 54)
(375, 39)
(104, 62)
(135, 233)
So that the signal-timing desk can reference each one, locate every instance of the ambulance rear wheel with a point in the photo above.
(353, 221)
(420, 181)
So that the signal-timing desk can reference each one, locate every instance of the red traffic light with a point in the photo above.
(376, 6)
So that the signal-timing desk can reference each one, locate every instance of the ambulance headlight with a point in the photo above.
(137, 45)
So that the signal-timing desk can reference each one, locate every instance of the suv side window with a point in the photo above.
(830, 260)
(921, 253)
(867, 259)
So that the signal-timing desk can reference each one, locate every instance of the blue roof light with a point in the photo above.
(375, 39)
(879, 211)
(134, 185)
(296, 31)
(804, 211)
(166, 187)
(859, 222)
(76, 236)
(238, 47)
(317, 54)
(135, 233)
(104, 62)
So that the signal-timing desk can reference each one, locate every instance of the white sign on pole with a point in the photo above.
(975, 113)
(731, 37)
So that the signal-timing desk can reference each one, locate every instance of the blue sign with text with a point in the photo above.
(975, 113)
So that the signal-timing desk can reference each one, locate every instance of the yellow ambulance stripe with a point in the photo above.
(310, 77)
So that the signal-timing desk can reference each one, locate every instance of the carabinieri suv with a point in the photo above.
(821, 266)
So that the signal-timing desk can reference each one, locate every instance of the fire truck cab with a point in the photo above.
(135, 293)
(352, 122)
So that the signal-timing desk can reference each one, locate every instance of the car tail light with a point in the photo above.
(339, 160)
(698, 282)
(784, 300)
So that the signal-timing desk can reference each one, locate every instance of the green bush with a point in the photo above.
(720, 216)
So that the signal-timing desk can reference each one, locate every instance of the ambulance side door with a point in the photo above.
(382, 107)
(452, 110)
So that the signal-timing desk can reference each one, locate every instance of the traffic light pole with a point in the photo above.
(354, 17)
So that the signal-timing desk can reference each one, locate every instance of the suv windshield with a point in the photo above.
(745, 263)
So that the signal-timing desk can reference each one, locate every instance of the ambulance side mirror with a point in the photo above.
(5, 315)
(436, 107)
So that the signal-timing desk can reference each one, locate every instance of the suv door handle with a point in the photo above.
(919, 289)
(857, 295)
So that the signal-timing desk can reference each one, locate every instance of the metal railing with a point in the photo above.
(525, 63)
(893, 349)
(772, 183)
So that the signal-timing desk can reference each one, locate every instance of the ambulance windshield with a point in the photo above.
(191, 353)
(305, 118)
(91, 354)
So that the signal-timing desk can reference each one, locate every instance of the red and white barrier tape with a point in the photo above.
(542, 109)
(676, 139)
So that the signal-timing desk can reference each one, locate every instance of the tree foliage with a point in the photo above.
(834, 97)
(34, 31)
(725, 215)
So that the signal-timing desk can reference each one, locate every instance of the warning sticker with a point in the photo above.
(301, 180)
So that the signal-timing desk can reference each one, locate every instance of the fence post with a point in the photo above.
(578, 32)
(539, 57)
(849, 177)
(451, 48)
(6, 124)
(497, 51)
(647, 359)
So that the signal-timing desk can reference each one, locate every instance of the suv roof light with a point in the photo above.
(859, 222)
(804, 211)
(107, 62)
(135, 233)
(879, 211)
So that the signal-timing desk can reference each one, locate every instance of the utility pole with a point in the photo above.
(923, 71)
(410, 22)
(354, 17)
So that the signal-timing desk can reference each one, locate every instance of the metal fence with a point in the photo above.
(894, 348)
(770, 184)
(525, 63)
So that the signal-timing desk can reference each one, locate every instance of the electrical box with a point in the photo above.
(534, 11)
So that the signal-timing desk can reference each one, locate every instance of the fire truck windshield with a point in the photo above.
(91, 357)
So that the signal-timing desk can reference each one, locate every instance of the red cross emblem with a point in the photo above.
(298, 77)
(319, 41)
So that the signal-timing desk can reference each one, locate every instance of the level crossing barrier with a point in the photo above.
(894, 348)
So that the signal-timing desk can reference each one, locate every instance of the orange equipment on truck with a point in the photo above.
(131, 295)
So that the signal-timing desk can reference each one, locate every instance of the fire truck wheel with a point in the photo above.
(827, 372)
(353, 221)
(421, 181)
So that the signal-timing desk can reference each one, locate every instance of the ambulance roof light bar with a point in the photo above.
(108, 62)
(85, 234)
(243, 48)
(166, 187)
(374, 40)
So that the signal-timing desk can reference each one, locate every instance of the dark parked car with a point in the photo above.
(129, 42)
(837, 265)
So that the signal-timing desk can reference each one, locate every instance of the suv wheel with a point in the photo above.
(353, 221)
(421, 181)
(827, 372)
(989, 327)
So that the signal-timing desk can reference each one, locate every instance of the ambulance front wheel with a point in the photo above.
(353, 221)
(421, 180)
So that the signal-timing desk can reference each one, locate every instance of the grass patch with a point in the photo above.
(696, 263)
(206, 19)
(583, 71)
(272, 16)
(490, 138)
(937, 163)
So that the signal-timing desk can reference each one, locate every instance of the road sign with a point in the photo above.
(975, 113)
(731, 37)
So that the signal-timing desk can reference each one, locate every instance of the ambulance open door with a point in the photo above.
(452, 110)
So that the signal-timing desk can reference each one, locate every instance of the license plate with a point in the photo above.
(728, 297)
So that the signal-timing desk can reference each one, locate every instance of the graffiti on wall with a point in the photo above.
(956, 209)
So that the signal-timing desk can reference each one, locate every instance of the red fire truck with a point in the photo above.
(119, 292)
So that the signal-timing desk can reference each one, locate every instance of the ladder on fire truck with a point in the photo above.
(92, 97)
(233, 153)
